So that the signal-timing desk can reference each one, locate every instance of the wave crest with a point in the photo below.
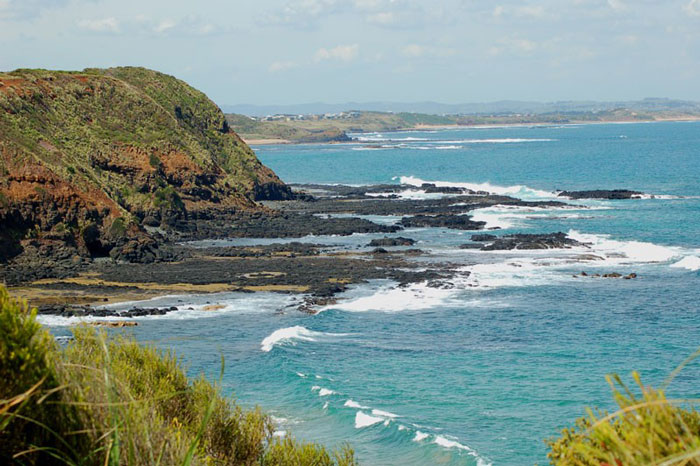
(520, 191)
(291, 335)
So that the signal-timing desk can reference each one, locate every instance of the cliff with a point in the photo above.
(91, 158)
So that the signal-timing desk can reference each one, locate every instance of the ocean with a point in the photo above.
(481, 372)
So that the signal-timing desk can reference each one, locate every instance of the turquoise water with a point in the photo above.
(483, 372)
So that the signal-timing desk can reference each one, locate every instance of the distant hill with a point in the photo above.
(487, 108)
(87, 157)
(291, 128)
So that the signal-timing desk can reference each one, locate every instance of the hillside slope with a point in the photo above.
(87, 157)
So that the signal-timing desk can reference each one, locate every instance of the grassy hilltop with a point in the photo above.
(87, 156)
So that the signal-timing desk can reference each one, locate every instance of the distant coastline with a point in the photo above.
(430, 127)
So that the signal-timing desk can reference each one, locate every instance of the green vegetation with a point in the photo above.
(61, 118)
(288, 131)
(105, 400)
(648, 429)
(120, 142)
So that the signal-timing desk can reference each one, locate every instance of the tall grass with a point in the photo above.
(647, 429)
(105, 400)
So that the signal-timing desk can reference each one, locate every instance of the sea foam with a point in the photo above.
(624, 252)
(691, 263)
(520, 191)
(291, 335)
(365, 420)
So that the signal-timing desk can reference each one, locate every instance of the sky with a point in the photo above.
(298, 51)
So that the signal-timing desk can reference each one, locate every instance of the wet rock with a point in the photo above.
(629, 276)
(456, 222)
(484, 237)
(432, 188)
(470, 246)
(614, 194)
(398, 241)
(532, 241)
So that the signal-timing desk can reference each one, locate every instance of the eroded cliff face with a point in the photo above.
(89, 159)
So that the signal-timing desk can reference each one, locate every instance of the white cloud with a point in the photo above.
(344, 53)
(514, 46)
(629, 39)
(110, 25)
(164, 26)
(282, 66)
(413, 50)
(190, 25)
(307, 14)
(693, 8)
(383, 18)
(302, 13)
(527, 11)
(418, 51)
(617, 4)
(27, 9)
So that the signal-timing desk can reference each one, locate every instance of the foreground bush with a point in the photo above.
(104, 400)
(647, 430)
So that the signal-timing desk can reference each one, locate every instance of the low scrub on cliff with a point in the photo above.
(80, 148)
(648, 429)
(108, 400)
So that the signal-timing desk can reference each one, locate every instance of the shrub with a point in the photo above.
(118, 228)
(169, 198)
(109, 400)
(648, 429)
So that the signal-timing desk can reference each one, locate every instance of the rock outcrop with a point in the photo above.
(612, 194)
(89, 159)
(529, 241)
(456, 222)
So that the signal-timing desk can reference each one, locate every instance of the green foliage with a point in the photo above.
(154, 161)
(648, 429)
(25, 348)
(289, 452)
(168, 197)
(109, 400)
(118, 228)
(28, 383)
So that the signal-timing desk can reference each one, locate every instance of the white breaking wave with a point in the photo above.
(657, 196)
(624, 252)
(322, 391)
(192, 306)
(448, 443)
(354, 404)
(420, 436)
(412, 195)
(414, 297)
(380, 413)
(526, 271)
(691, 263)
(508, 217)
(291, 335)
(365, 420)
(520, 191)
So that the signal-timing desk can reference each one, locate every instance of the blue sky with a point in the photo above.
(297, 51)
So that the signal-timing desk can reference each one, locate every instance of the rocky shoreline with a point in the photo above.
(64, 284)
